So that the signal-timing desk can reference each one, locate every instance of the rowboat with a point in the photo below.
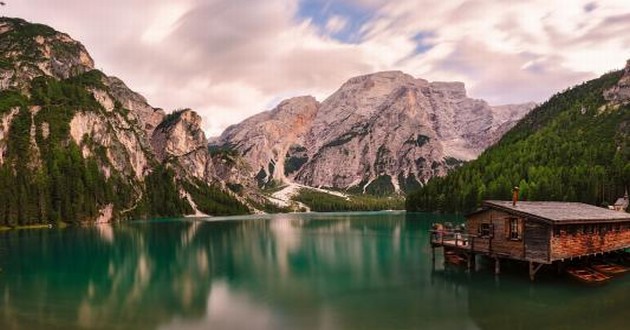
(609, 268)
(588, 275)
(454, 258)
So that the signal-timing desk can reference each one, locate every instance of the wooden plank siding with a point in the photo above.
(500, 243)
(537, 244)
(543, 242)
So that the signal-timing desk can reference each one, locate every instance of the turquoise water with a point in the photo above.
(303, 271)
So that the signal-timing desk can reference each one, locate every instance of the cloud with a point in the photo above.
(336, 24)
(231, 59)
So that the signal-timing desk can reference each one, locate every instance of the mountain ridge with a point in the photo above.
(79, 146)
(371, 113)
(573, 147)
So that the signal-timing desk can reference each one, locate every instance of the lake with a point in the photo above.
(297, 271)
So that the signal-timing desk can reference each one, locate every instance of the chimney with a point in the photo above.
(514, 195)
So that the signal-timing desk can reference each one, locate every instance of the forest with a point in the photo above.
(45, 178)
(574, 147)
(323, 202)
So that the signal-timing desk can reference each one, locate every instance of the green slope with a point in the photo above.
(571, 148)
(44, 175)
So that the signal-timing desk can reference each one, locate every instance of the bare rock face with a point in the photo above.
(148, 117)
(379, 133)
(124, 147)
(5, 124)
(620, 93)
(179, 137)
(266, 138)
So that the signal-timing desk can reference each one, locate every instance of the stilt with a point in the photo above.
(497, 266)
(433, 256)
(533, 269)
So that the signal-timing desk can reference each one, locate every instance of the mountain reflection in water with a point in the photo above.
(299, 271)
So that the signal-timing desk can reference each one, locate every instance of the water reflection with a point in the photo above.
(368, 271)
(553, 302)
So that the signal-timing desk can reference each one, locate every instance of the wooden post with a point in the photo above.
(497, 266)
(533, 269)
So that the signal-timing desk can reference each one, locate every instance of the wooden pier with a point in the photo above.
(538, 233)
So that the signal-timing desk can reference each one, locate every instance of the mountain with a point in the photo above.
(574, 147)
(79, 146)
(379, 134)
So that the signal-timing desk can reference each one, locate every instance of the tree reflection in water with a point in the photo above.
(317, 271)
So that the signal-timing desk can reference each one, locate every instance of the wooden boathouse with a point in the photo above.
(540, 233)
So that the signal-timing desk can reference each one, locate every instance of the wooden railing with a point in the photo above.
(452, 238)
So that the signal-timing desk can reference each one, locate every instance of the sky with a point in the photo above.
(230, 59)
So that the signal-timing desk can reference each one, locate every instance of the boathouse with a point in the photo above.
(540, 233)
(622, 203)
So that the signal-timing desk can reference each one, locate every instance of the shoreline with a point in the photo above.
(29, 227)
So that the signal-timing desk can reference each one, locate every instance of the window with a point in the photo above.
(515, 230)
(484, 230)
(588, 229)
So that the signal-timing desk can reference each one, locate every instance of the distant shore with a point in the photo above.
(38, 226)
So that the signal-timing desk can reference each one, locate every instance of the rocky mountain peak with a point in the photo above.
(116, 156)
(300, 106)
(377, 133)
(30, 50)
(452, 89)
(179, 134)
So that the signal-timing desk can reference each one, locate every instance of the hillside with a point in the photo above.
(79, 146)
(574, 147)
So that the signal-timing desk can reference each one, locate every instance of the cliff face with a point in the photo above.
(568, 148)
(264, 140)
(378, 133)
(82, 133)
(620, 93)
(180, 139)
(32, 50)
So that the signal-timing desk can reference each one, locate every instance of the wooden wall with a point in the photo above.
(500, 244)
(571, 240)
(537, 241)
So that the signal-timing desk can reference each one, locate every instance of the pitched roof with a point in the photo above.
(560, 212)
(621, 202)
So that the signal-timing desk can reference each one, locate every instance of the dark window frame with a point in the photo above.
(485, 230)
(514, 230)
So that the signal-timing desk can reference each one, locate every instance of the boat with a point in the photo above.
(588, 275)
(453, 258)
(609, 268)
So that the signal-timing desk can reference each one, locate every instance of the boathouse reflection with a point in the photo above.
(510, 301)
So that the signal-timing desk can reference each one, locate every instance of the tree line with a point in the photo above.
(574, 147)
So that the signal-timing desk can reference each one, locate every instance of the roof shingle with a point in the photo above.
(560, 212)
